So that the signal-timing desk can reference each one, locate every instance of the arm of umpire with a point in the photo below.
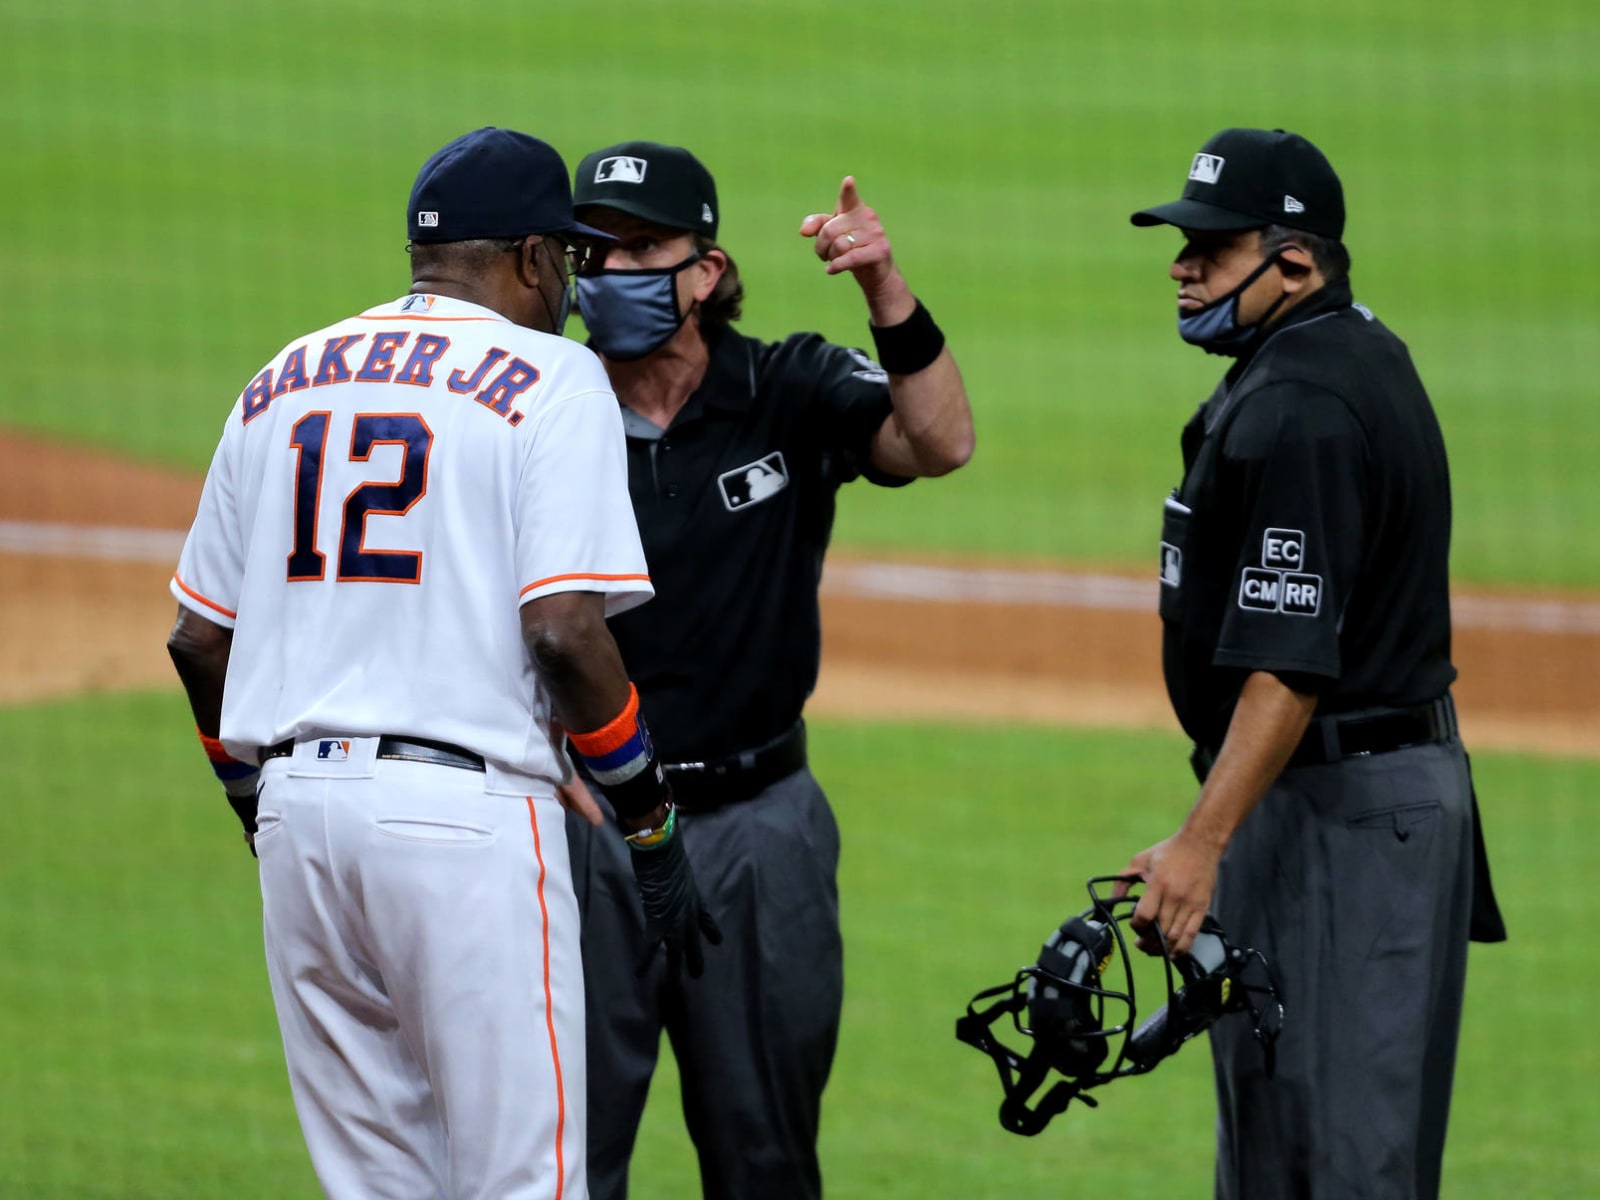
(930, 430)
(199, 649)
(1180, 874)
(579, 662)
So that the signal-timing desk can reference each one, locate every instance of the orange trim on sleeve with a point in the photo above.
(539, 583)
(189, 591)
(549, 1011)
(614, 734)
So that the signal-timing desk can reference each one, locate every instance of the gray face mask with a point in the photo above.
(630, 314)
(1216, 329)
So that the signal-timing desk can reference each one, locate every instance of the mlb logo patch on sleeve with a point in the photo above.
(746, 486)
(1171, 565)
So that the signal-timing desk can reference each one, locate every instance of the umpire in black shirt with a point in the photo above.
(736, 448)
(1305, 603)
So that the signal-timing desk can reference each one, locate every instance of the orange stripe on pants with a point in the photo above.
(549, 1009)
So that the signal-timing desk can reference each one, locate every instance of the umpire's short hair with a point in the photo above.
(725, 305)
(1330, 255)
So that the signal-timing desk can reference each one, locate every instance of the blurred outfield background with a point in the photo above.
(189, 185)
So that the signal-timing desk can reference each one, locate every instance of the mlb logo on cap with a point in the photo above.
(1206, 168)
(428, 220)
(665, 185)
(1271, 174)
(620, 168)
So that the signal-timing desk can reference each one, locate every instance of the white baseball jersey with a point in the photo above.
(386, 493)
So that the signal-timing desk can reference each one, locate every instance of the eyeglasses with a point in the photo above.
(577, 256)
(582, 257)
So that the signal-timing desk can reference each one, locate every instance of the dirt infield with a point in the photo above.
(87, 544)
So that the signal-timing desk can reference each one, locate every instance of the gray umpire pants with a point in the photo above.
(1355, 880)
(754, 1036)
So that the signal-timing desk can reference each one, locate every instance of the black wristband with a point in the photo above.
(644, 793)
(910, 346)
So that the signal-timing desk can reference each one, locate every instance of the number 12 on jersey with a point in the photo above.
(357, 564)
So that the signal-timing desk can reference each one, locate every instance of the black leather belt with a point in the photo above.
(1334, 738)
(422, 750)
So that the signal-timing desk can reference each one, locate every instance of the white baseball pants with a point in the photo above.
(422, 941)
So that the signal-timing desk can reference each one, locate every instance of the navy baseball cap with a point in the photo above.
(1248, 178)
(493, 183)
(664, 184)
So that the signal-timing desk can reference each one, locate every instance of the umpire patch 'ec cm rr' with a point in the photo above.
(1283, 549)
(1291, 592)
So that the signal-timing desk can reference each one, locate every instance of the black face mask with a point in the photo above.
(558, 319)
(630, 314)
(1215, 328)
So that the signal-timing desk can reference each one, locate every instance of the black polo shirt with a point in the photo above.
(1311, 534)
(735, 503)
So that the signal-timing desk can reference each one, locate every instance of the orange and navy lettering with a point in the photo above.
(418, 369)
(292, 375)
(517, 378)
(357, 564)
(309, 437)
(333, 368)
(380, 357)
(469, 383)
(257, 396)
(514, 378)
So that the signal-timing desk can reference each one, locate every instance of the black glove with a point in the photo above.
(244, 807)
(673, 911)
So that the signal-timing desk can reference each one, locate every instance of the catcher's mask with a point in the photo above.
(1066, 999)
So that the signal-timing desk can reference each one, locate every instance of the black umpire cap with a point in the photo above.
(493, 183)
(1248, 178)
(664, 184)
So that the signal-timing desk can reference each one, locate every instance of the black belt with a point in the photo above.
(702, 786)
(422, 750)
(1334, 738)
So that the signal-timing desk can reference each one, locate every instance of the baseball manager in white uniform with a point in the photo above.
(392, 609)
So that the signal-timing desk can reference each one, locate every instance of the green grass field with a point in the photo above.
(140, 1057)
(190, 185)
